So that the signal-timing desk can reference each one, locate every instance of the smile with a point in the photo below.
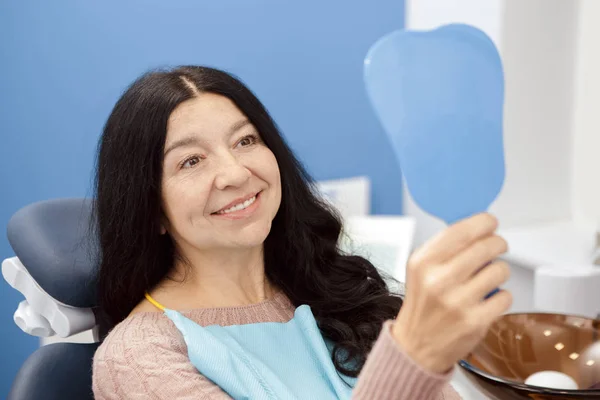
(239, 206)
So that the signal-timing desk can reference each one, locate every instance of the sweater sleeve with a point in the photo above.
(390, 374)
(154, 368)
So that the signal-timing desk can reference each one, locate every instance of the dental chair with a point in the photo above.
(54, 268)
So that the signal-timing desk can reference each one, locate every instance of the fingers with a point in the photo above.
(479, 254)
(489, 310)
(483, 282)
(455, 239)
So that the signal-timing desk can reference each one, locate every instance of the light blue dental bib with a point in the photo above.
(267, 360)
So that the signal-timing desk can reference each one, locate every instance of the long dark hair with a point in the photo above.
(349, 298)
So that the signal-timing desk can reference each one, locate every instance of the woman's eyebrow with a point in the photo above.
(194, 141)
(185, 142)
(237, 126)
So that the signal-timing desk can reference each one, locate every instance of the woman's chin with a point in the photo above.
(250, 236)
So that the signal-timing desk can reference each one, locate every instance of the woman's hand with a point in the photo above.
(444, 315)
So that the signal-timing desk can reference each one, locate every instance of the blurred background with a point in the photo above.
(65, 63)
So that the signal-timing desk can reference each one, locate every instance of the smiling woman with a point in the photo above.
(220, 274)
(217, 170)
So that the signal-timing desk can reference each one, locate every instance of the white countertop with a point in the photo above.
(560, 243)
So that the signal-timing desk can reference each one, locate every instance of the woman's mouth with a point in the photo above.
(241, 209)
(238, 207)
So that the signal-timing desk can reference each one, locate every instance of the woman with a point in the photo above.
(219, 264)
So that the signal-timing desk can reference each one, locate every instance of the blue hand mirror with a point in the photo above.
(439, 95)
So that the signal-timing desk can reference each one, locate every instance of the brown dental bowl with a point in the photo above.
(519, 345)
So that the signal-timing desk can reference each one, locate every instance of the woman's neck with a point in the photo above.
(223, 278)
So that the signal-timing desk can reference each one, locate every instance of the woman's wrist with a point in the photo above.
(426, 359)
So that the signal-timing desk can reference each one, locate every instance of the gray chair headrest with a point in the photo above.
(54, 242)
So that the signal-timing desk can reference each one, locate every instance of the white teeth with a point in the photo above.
(238, 207)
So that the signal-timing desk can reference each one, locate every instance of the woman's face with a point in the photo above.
(221, 186)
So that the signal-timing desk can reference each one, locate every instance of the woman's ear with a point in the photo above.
(163, 230)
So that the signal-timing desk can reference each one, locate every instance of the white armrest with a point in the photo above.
(40, 314)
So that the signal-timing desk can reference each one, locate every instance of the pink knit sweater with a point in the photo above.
(145, 357)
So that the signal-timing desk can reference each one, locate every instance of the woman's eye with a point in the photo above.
(248, 140)
(190, 162)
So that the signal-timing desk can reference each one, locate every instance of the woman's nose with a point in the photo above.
(231, 172)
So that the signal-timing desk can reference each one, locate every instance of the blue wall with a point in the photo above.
(64, 63)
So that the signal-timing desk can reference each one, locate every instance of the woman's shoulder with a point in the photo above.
(140, 333)
(139, 355)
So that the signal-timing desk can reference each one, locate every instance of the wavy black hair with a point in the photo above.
(348, 297)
